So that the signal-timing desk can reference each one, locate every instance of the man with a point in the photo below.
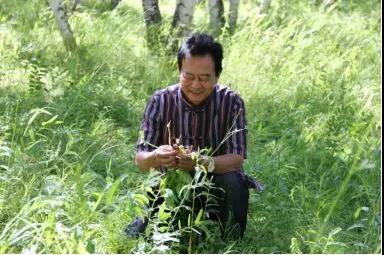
(200, 113)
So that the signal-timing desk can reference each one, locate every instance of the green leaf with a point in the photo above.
(90, 247)
(36, 112)
(198, 217)
(32, 135)
(110, 194)
(100, 197)
(50, 120)
(141, 199)
(163, 216)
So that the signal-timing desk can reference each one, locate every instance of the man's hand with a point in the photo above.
(185, 162)
(165, 156)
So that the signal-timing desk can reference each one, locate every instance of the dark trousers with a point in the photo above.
(232, 203)
(231, 190)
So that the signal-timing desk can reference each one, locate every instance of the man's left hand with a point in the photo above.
(185, 163)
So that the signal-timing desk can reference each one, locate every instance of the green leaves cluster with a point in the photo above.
(177, 206)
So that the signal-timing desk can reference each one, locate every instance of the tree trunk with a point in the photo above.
(327, 3)
(152, 18)
(61, 17)
(324, 4)
(114, 3)
(216, 14)
(264, 7)
(315, 2)
(182, 18)
(233, 12)
(75, 3)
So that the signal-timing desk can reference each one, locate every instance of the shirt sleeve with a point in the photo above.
(237, 141)
(150, 128)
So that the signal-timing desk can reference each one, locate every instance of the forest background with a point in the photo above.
(308, 71)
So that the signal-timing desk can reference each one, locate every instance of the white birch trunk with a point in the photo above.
(232, 15)
(152, 18)
(315, 2)
(114, 3)
(216, 15)
(75, 3)
(182, 19)
(324, 4)
(327, 3)
(152, 14)
(61, 18)
(265, 5)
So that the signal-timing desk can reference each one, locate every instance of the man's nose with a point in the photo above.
(196, 83)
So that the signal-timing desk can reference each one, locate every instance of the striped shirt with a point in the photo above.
(218, 123)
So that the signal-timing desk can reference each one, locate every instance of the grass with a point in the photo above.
(310, 79)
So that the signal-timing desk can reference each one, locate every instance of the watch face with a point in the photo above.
(211, 165)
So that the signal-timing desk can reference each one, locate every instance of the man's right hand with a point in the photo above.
(165, 156)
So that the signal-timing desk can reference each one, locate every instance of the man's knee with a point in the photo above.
(233, 189)
(233, 199)
(231, 181)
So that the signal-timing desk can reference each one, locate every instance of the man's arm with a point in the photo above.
(222, 163)
(145, 160)
(228, 162)
(164, 155)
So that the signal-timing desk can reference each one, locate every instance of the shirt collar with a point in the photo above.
(196, 108)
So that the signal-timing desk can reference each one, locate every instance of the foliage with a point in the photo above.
(310, 78)
(177, 206)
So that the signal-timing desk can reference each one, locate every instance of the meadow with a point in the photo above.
(310, 78)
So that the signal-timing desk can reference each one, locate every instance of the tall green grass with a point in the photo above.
(310, 79)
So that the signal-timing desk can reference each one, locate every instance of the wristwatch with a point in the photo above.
(210, 163)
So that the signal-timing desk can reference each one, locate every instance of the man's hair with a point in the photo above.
(201, 44)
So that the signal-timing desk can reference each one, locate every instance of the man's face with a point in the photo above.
(197, 77)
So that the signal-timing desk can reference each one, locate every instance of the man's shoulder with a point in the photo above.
(226, 92)
(168, 91)
(160, 95)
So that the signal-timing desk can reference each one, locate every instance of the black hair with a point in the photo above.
(201, 44)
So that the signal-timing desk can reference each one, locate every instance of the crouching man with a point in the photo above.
(199, 113)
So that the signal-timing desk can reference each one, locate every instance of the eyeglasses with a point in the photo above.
(191, 77)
